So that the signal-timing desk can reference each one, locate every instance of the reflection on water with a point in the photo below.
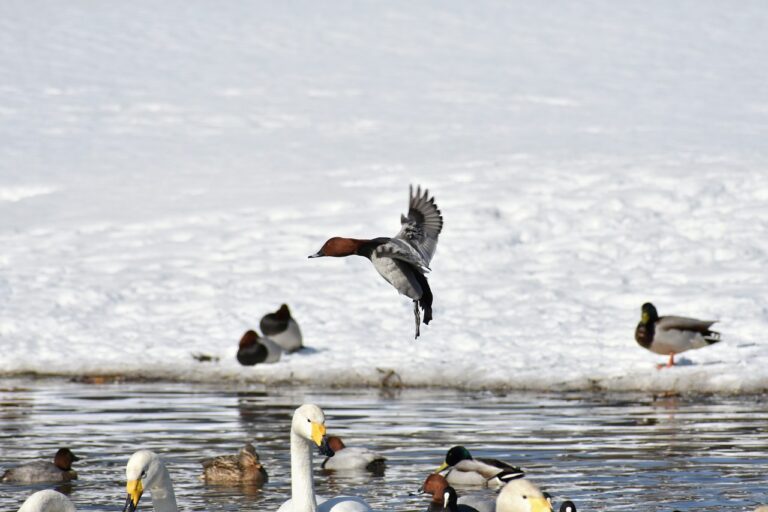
(605, 452)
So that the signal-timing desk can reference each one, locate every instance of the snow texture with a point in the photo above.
(166, 168)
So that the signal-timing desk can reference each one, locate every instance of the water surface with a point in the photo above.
(604, 451)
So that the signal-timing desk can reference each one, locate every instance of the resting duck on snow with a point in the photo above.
(281, 328)
(308, 430)
(241, 468)
(351, 458)
(254, 349)
(670, 335)
(403, 260)
(60, 470)
(47, 500)
(462, 469)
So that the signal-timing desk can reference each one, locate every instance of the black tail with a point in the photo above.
(425, 302)
(711, 337)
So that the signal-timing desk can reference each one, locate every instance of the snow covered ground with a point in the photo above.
(166, 168)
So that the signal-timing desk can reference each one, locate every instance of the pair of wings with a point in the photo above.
(417, 240)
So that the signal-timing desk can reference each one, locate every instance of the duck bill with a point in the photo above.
(540, 505)
(442, 467)
(318, 254)
(134, 489)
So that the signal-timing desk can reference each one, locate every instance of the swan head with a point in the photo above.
(309, 423)
(522, 495)
(142, 472)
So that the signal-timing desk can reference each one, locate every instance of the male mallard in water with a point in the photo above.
(670, 335)
(461, 469)
(241, 468)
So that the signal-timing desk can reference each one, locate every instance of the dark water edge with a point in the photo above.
(606, 451)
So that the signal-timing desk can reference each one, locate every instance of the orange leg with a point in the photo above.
(669, 364)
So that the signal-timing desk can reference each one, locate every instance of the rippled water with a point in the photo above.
(605, 452)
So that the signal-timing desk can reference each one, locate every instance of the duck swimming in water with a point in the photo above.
(60, 470)
(242, 468)
(670, 335)
(461, 469)
(403, 260)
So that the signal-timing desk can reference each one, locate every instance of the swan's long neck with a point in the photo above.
(302, 486)
(163, 497)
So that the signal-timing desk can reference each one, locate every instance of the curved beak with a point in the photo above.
(134, 489)
(318, 254)
(442, 467)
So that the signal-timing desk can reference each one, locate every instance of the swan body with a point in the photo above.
(308, 429)
(47, 500)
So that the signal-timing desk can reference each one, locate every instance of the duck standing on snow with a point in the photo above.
(403, 260)
(281, 328)
(254, 349)
(354, 458)
(60, 470)
(242, 468)
(462, 469)
(670, 335)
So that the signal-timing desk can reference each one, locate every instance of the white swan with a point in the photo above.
(146, 470)
(47, 501)
(308, 427)
(522, 495)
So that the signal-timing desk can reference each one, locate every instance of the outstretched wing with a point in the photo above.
(420, 228)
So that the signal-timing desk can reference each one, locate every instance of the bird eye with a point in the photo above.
(143, 474)
(309, 420)
(525, 497)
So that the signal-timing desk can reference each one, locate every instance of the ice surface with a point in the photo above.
(165, 169)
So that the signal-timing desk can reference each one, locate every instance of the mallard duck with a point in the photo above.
(281, 328)
(403, 260)
(461, 469)
(308, 429)
(60, 470)
(241, 468)
(146, 470)
(670, 335)
(254, 349)
(443, 496)
(353, 458)
(47, 500)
